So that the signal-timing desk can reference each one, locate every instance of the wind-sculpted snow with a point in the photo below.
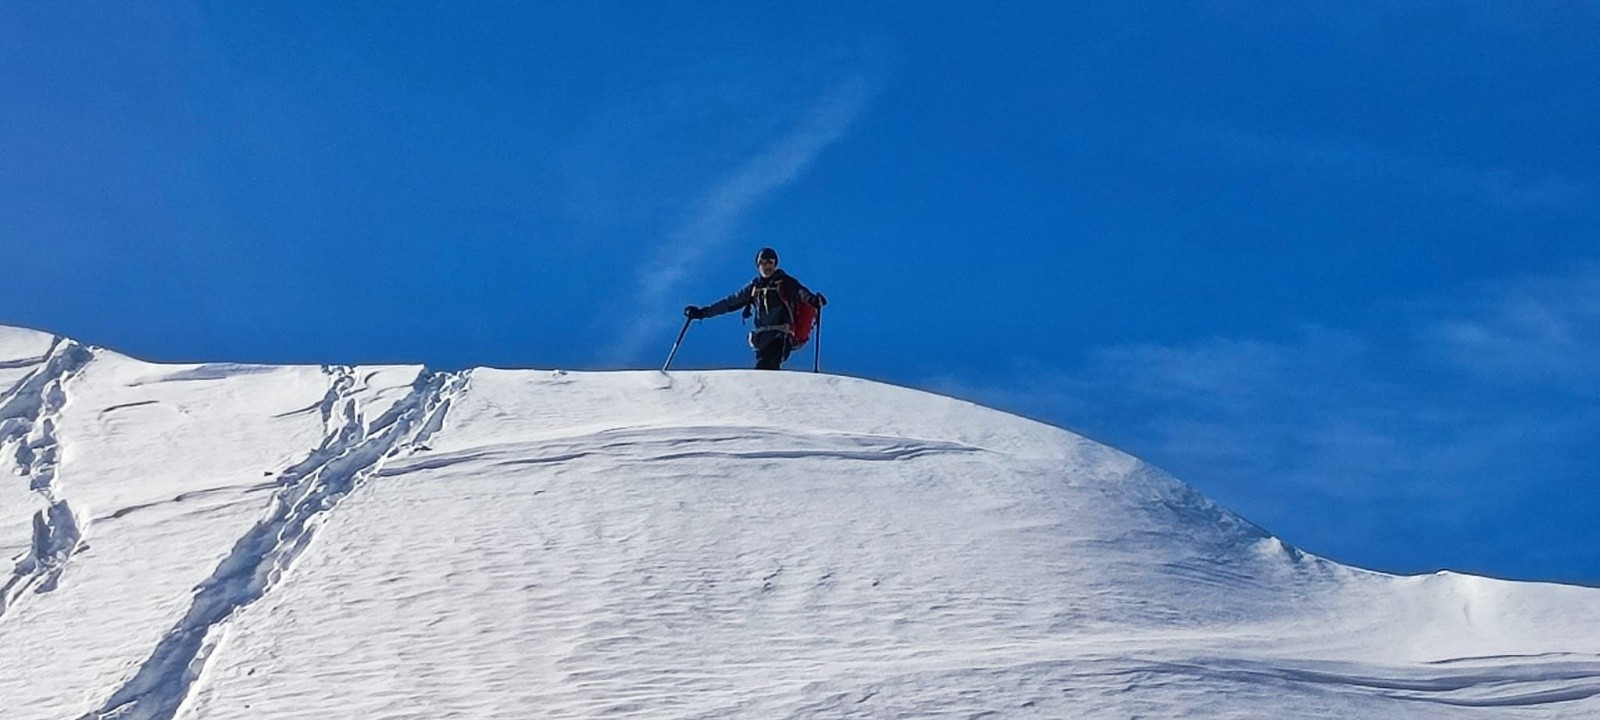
(396, 543)
(351, 450)
(177, 466)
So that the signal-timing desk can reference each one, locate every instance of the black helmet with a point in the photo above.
(767, 253)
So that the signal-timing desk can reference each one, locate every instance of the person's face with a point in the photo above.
(767, 266)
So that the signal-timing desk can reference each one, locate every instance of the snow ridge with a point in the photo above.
(29, 414)
(351, 452)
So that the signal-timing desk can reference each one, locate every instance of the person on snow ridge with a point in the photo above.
(771, 296)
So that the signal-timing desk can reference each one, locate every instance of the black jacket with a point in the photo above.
(769, 298)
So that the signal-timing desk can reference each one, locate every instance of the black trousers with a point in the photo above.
(772, 348)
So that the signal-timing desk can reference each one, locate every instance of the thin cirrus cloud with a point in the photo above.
(1400, 450)
(1539, 330)
(711, 221)
(1501, 187)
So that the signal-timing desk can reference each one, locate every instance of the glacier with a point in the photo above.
(219, 540)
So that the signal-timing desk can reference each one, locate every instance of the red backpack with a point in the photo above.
(803, 317)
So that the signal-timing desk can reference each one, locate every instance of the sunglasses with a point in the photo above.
(764, 261)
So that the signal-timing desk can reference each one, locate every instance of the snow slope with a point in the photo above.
(233, 541)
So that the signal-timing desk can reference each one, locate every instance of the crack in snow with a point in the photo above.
(23, 363)
(351, 452)
(29, 414)
(685, 442)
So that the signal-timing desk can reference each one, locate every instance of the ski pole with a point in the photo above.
(675, 345)
(816, 360)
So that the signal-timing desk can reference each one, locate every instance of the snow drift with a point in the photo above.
(240, 541)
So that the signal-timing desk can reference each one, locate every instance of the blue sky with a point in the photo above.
(1333, 264)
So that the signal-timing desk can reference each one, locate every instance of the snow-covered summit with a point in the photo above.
(246, 541)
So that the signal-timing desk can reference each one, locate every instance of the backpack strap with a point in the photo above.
(761, 295)
(788, 304)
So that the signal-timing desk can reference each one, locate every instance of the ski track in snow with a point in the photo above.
(351, 451)
(29, 414)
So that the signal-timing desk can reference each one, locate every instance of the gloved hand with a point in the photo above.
(694, 313)
(818, 300)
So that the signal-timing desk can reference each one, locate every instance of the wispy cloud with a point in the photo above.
(1342, 157)
(1538, 330)
(713, 218)
(1468, 434)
